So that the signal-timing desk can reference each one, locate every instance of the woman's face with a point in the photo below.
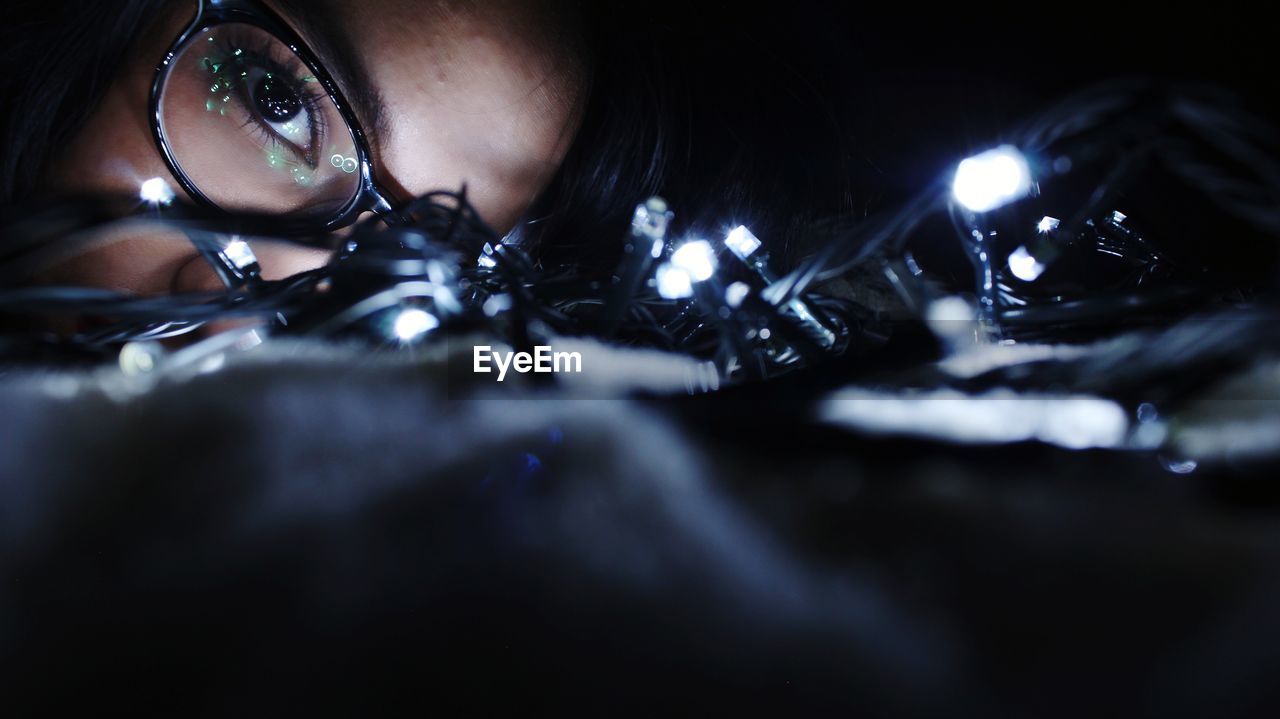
(448, 92)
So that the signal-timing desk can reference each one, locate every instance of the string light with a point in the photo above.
(445, 270)
(650, 221)
(412, 323)
(741, 242)
(992, 179)
(1024, 265)
(697, 258)
(736, 292)
(673, 283)
(156, 192)
(239, 254)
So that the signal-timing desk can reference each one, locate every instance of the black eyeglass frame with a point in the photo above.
(369, 197)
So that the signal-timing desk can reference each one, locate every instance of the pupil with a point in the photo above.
(276, 100)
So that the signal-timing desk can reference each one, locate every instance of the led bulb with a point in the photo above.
(735, 293)
(240, 254)
(156, 191)
(650, 221)
(992, 179)
(696, 257)
(1024, 265)
(140, 358)
(652, 217)
(673, 282)
(741, 242)
(413, 323)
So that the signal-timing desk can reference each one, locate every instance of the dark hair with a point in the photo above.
(687, 103)
(59, 59)
(711, 109)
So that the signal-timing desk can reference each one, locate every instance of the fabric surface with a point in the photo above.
(316, 526)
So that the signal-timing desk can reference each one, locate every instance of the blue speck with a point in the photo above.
(532, 468)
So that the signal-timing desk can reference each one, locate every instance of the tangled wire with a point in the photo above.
(442, 270)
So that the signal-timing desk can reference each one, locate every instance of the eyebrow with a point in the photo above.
(321, 25)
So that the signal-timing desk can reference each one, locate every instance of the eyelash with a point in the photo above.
(240, 55)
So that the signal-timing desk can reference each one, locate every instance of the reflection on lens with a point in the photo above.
(253, 129)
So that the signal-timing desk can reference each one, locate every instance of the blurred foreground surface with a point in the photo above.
(311, 527)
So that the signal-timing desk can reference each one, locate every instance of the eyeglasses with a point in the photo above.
(248, 120)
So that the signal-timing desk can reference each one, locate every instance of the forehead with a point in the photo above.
(471, 57)
(481, 93)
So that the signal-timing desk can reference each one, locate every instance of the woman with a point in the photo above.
(557, 117)
(485, 96)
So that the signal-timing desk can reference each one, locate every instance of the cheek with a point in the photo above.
(126, 260)
(155, 262)
(114, 152)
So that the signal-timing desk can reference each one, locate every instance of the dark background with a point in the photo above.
(810, 112)
(913, 87)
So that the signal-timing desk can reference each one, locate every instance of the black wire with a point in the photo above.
(1226, 154)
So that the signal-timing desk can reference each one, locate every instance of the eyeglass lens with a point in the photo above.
(252, 128)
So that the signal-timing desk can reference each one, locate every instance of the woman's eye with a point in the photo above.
(276, 104)
(250, 125)
(281, 106)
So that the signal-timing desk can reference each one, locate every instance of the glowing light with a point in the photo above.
(213, 363)
(673, 282)
(1147, 412)
(735, 293)
(995, 417)
(156, 191)
(697, 258)
(650, 220)
(951, 317)
(248, 341)
(1024, 265)
(1047, 224)
(949, 309)
(140, 358)
(240, 254)
(1179, 466)
(496, 304)
(992, 179)
(741, 242)
(413, 323)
